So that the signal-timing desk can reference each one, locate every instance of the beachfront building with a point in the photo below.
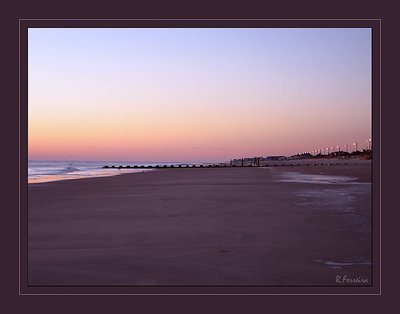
(269, 158)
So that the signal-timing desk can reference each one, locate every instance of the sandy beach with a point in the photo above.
(221, 226)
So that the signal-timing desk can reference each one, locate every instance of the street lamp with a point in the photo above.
(356, 145)
(369, 143)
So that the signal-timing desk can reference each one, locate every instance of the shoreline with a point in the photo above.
(79, 176)
(230, 226)
(104, 172)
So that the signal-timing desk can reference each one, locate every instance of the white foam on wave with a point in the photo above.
(46, 171)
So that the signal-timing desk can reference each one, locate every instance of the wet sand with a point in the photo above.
(221, 226)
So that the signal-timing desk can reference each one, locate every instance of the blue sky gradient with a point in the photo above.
(192, 94)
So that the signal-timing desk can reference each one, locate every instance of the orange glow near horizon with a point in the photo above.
(195, 95)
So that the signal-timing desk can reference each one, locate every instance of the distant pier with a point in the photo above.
(240, 165)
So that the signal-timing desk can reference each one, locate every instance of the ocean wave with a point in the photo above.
(51, 170)
(70, 169)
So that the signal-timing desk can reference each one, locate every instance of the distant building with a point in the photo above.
(275, 158)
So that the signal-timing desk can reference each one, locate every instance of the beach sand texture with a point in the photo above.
(224, 226)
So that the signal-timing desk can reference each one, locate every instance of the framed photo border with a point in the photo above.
(376, 32)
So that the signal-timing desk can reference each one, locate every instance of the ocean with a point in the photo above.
(45, 171)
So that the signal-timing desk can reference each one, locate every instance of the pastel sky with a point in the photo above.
(196, 94)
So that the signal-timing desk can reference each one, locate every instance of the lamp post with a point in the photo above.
(356, 146)
(369, 144)
(338, 147)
